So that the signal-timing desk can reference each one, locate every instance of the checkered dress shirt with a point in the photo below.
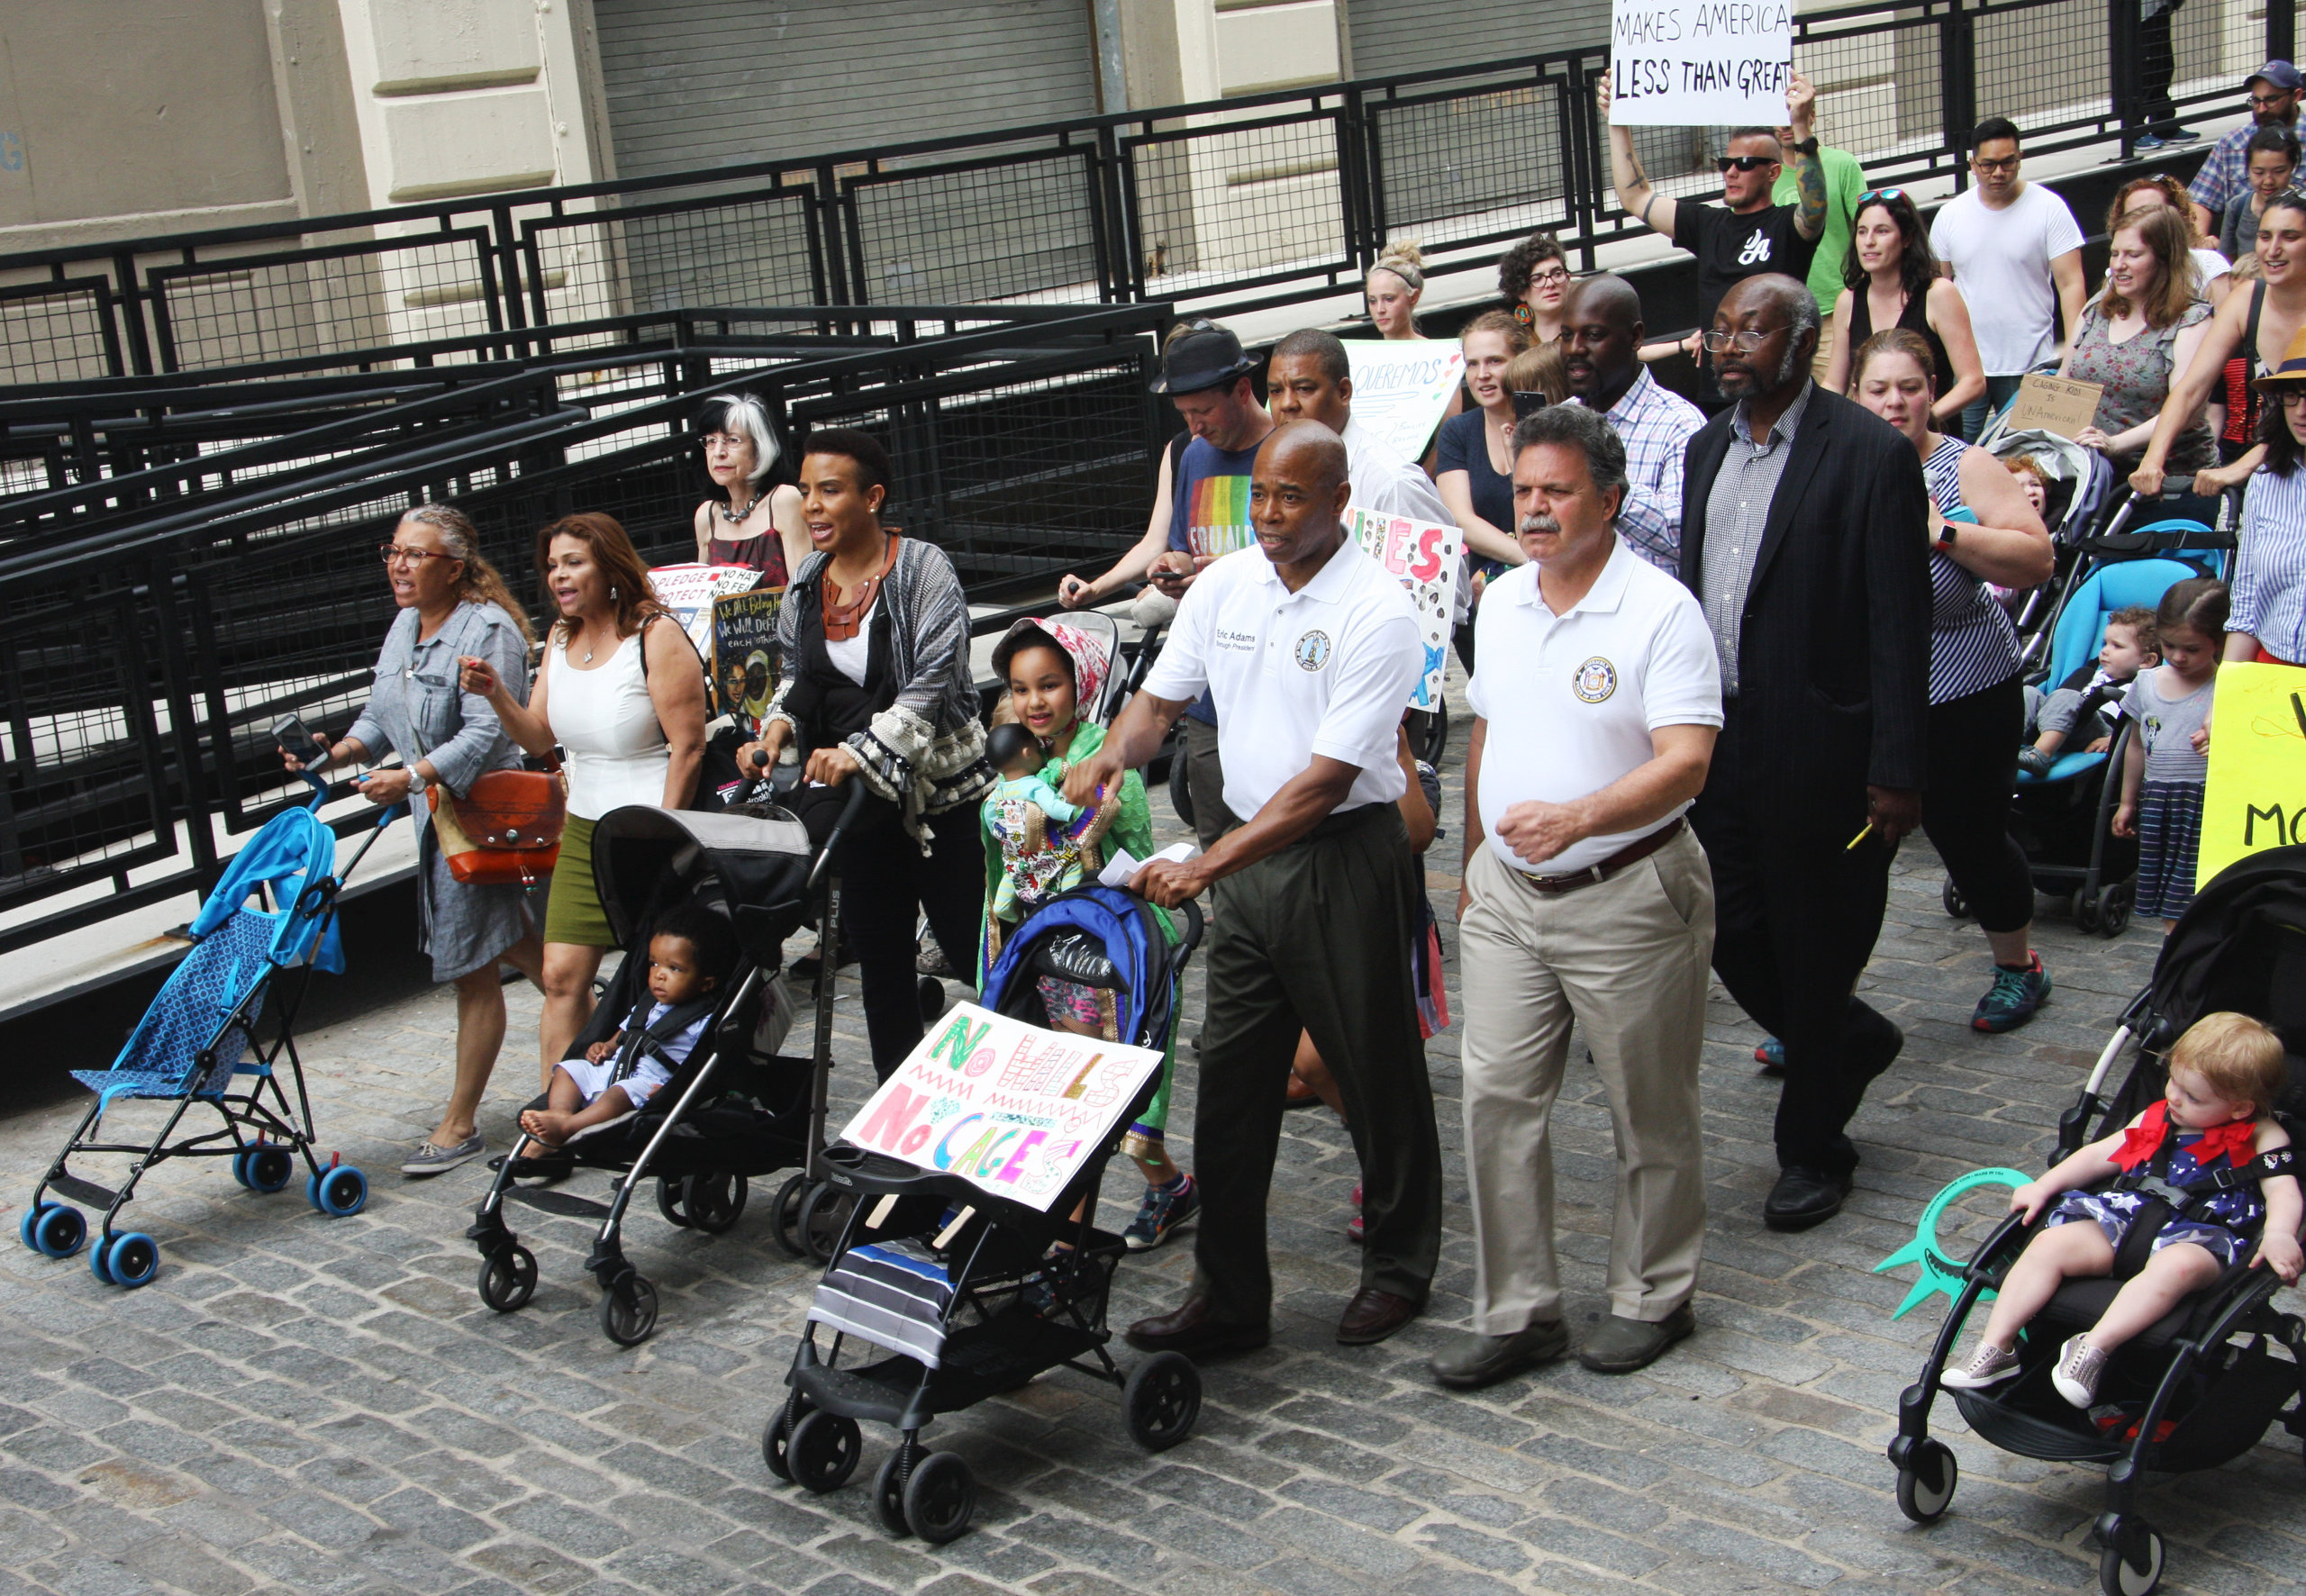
(1656, 426)
(2225, 172)
(1736, 512)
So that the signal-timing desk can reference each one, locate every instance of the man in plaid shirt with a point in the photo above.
(1600, 338)
(2273, 90)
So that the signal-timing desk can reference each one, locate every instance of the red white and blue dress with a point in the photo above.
(2225, 1224)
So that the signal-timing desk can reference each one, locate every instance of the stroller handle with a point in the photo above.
(858, 792)
(1189, 937)
(386, 814)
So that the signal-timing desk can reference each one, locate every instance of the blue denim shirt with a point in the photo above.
(416, 709)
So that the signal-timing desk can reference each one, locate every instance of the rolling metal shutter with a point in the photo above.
(706, 83)
(1390, 36)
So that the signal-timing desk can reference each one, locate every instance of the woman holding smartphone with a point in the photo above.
(453, 605)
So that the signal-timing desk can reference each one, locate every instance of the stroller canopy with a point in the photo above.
(2240, 945)
(1095, 935)
(293, 851)
(646, 858)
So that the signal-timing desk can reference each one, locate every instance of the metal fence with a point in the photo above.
(154, 624)
(1261, 199)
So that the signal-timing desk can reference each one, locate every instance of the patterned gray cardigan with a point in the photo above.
(925, 753)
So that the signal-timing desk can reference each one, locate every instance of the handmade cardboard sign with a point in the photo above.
(2256, 795)
(1424, 555)
(1400, 387)
(688, 592)
(1699, 63)
(1010, 1108)
(745, 663)
(2057, 404)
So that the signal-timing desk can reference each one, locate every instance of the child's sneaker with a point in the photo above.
(2013, 997)
(2079, 1366)
(2034, 762)
(1989, 1366)
(1771, 1056)
(1164, 1208)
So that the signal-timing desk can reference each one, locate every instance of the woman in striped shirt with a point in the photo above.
(2268, 622)
(1982, 530)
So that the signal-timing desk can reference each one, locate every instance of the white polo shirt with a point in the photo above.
(1326, 670)
(1571, 700)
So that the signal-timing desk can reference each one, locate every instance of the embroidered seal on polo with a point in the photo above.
(1312, 650)
(1595, 680)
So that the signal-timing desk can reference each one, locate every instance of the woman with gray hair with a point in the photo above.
(752, 520)
(452, 604)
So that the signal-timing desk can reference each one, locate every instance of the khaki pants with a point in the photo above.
(1626, 961)
(1825, 355)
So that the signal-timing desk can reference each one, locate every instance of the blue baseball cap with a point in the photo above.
(2281, 73)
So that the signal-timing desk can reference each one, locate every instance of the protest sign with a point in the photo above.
(2256, 795)
(1699, 63)
(1424, 555)
(687, 591)
(745, 663)
(2057, 404)
(1010, 1108)
(1400, 387)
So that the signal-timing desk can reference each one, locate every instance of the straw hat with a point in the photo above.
(2291, 367)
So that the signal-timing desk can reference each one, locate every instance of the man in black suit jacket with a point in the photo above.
(1809, 552)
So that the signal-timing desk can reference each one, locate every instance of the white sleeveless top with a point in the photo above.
(604, 723)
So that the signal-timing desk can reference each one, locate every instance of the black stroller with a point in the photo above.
(972, 1295)
(735, 1110)
(2201, 1387)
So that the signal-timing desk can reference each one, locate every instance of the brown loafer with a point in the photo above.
(1194, 1330)
(1372, 1315)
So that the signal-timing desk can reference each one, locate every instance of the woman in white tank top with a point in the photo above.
(624, 700)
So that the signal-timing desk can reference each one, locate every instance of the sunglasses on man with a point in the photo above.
(1744, 163)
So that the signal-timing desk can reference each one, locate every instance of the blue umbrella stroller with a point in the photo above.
(974, 1295)
(2203, 1385)
(198, 1043)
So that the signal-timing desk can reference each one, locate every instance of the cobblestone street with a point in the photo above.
(324, 1406)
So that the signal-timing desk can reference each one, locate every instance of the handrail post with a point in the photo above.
(131, 305)
(2121, 70)
(2281, 28)
(824, 216)
(1957, 85)
(1582, 134)
(1364, 185)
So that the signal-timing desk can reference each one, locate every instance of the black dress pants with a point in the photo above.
(1796, 914)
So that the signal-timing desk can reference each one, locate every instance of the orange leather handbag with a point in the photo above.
(506, 829)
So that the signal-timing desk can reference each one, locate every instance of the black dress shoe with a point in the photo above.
(1193, 1330)
(1802, 1198)
(1372, 1315)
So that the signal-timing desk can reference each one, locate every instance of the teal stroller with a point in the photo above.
(199, 1044)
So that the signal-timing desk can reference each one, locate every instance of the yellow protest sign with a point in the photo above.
(2256, 795)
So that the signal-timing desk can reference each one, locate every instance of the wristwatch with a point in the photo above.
(416, 782)
(1945, 534)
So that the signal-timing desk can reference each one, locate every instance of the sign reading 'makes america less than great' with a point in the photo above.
(1699, 63)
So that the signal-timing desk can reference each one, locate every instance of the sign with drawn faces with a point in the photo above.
(1424, 555)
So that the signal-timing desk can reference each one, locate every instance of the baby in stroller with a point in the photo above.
(2210, 1156)
(689, 958)
(2079, 710)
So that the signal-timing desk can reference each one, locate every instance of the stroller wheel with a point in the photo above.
(940, 1498)
(2118, 1577)
(30, 1223)
(1926, 1486)
(824, 1215)
(776, 1440)
(340, 1193)
(508, 1279)
(268, 1168)
(888, 1488)
(824, 1451)
(672, 1199)
(784, 1215)
(715, 1201)
(133, 1260)
(1161, 1400)
(58, 1229)
(629, 1311)
(932, 999)
(1956, 905)
(241, 1164)
(2114, 906)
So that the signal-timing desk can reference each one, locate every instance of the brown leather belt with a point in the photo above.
(1631, 853)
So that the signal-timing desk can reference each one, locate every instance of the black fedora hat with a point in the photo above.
(1203, 355)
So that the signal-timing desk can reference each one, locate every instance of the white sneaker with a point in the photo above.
(2079, 1366)
(1989, 1366)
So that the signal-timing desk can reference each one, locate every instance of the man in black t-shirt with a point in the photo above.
(1746, 236)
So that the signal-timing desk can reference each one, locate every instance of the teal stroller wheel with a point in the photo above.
(338, 1192)
(58, 1230)
(133, 1260)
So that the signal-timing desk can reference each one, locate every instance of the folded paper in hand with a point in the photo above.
(1123, 868)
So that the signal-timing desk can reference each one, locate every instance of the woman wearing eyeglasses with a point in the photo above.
(1893, 281)
(752, 522)
(1533, 279)
(453, 605)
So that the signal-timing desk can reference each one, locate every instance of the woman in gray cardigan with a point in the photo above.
(452, 602)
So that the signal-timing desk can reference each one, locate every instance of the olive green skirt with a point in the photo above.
(574, 913)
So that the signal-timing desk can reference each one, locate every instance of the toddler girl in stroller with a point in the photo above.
(689, 959)
(2209, 1161)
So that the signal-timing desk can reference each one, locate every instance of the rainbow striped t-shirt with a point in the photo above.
(1210, 511)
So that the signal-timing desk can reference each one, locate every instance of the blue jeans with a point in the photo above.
(1999, 392)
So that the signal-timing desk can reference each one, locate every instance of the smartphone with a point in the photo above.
(1526, 404)
(292, 734)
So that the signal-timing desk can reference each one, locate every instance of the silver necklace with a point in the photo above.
(733, 516)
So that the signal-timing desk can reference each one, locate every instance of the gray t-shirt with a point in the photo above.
(2168, 726)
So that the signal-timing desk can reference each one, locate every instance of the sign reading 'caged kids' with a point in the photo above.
(1699, 63)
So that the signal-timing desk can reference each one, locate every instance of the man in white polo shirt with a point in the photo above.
(1311, 650)
(1586, 901)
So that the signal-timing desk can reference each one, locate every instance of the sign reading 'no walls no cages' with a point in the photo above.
(1699, 63)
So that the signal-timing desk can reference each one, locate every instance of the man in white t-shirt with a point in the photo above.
(2007, 244)
(1311, 650)
(1587, 902)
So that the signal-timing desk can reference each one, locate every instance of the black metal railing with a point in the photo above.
(1261, 199)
